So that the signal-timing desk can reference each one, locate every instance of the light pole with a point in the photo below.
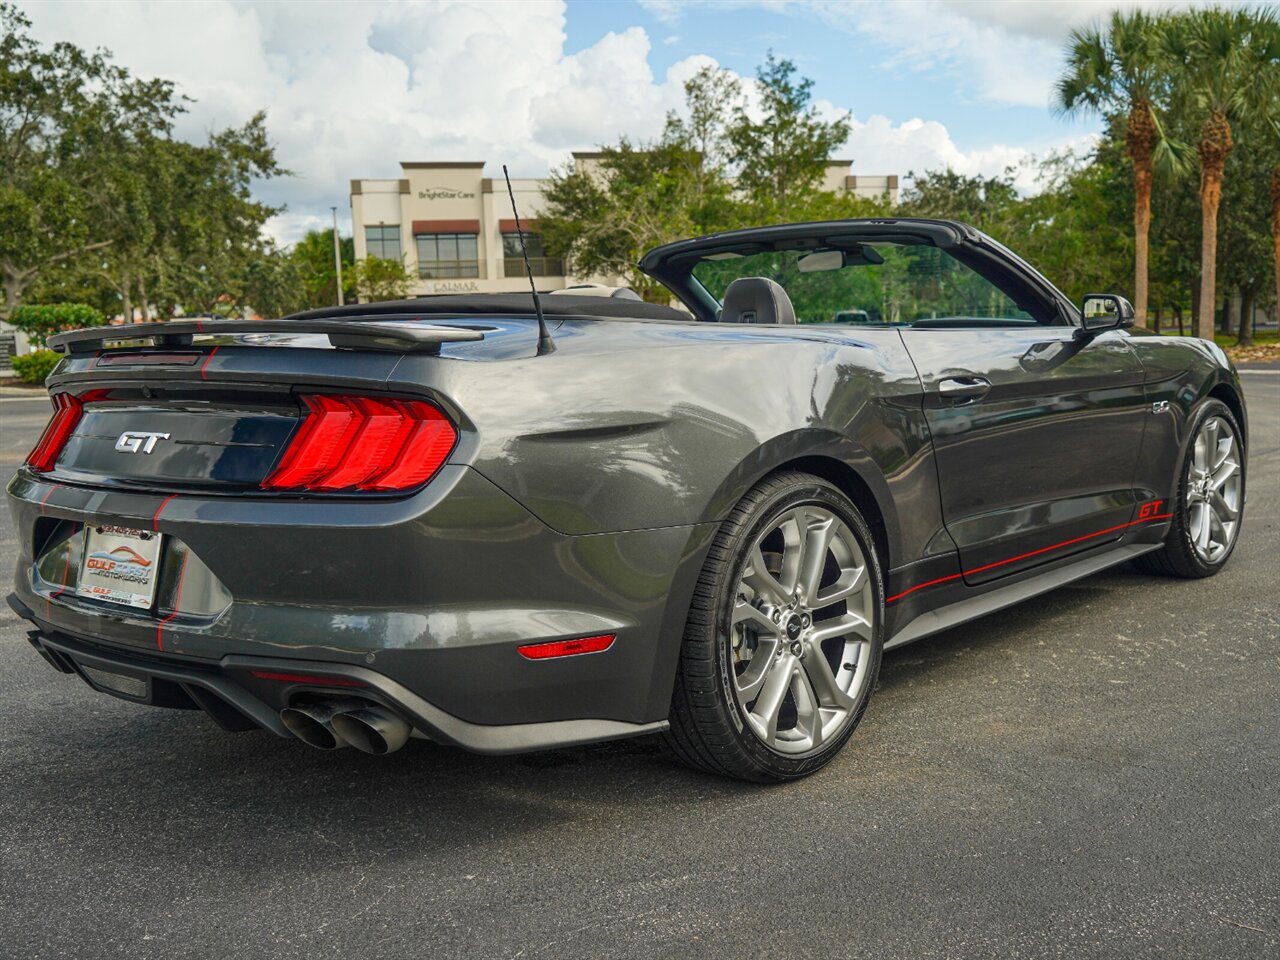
(337, 254)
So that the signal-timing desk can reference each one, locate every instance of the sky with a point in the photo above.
(351, 89)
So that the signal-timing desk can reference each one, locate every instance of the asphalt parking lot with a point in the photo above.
(1093, 774)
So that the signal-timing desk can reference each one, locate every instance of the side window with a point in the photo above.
(447, 256)
(876, 284)
(383, 242)
(541, 264)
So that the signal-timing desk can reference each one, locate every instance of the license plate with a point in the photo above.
(120, 565)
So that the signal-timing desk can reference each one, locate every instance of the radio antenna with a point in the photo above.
(544, 336)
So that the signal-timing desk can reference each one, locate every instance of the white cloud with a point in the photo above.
(668, 11)
(936, 37)
(879, 147)
(997, 51)
(352, 89)
(1049, 21)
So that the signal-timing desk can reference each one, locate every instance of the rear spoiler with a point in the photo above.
(383, 335)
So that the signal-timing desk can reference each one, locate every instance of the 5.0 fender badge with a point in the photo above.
(1160, 406)
(139, 441)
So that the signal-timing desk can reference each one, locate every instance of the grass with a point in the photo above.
(1225, 340)
(1266, 346)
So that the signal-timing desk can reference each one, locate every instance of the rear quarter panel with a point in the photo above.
(633, 424)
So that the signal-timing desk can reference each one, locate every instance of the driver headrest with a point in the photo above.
(756, 300)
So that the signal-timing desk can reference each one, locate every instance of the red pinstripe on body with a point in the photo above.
(155, 521)
(1030, 553)
(205, 365)
(45, 498)
(177, 602)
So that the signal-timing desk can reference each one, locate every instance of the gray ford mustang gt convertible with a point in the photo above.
(458, 519)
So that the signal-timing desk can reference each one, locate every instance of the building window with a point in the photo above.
(382, 242)
(513, 263)
(447, 256)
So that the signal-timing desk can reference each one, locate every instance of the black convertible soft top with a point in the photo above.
(500, 304)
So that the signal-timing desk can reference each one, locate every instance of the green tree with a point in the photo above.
(1120, 72)
(1225, 53)
(1244, 238)
(602, 216)
(1275, 229)
(1072, 227)
(68, 121)
(600, 220)
(313, 255)
(380, 279)
(711, 96)
(782, 157)
(274, 284)
(209, 226)
(1272, 136)
(984, 202)
(93, 190)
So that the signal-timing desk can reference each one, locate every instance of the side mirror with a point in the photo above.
(1105, 311)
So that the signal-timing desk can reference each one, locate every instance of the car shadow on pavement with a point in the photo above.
(185, 777)
(1005, 628)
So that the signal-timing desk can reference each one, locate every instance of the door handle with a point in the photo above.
(963, 389)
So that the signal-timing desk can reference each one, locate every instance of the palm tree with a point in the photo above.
(1227, 53)
(1120, 72)
(1275, 227)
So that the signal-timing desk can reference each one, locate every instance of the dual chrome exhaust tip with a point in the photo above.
(333, 724)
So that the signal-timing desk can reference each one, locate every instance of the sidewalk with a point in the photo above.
(8, 391)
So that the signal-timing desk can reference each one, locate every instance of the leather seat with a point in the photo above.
(756, 300)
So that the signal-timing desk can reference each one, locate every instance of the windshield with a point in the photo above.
(874, 283)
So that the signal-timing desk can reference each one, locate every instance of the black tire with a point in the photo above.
(708, 729)
(1178, 556)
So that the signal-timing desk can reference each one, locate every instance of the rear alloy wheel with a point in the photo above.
(783, 642)
(1210, 502)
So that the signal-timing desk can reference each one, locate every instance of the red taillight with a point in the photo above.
(361, 443)
(66, 415)
(566, 648)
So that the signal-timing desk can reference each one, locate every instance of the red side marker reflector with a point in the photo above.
(306, 678)
(566, 648)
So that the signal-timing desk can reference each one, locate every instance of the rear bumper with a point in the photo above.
(433, 593)
(231, 693)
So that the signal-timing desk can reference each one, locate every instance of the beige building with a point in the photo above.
(452, 226)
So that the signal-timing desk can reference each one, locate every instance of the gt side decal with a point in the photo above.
(1147, 513)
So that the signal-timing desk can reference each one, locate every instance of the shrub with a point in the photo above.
(35, 367)
(379, 279)
(39, 321)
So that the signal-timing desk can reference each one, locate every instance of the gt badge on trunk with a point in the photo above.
(139, 441)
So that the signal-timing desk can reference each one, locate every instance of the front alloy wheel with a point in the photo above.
(1210, 505)
(782, 645)
(1214, 488)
